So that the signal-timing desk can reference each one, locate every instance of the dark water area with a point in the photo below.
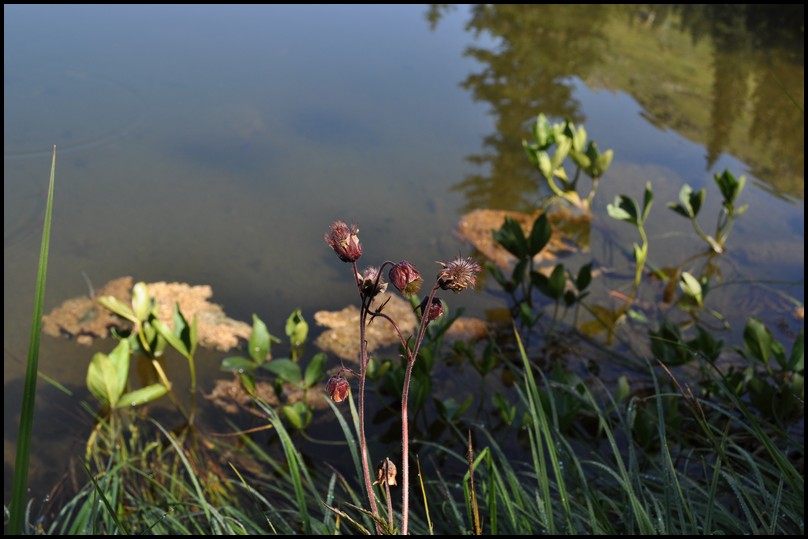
(215, 145)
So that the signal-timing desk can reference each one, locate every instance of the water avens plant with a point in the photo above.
(455, 275)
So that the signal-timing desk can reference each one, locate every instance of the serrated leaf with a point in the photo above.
(142, 395)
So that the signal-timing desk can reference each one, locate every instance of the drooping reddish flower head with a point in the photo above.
(405, 278)
(458, 274)
(434, 311)
(344, 241)
(337, 388)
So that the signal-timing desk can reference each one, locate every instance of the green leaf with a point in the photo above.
(170, 337)
(624, 208)
(686, 201)
(543, 132)
(499, 277)
(796, 360)
(667, 345)
(285, 369)
(648, 199)
(758, 339)
(111, 303)
(678, 208)
(539, 235)
(187, 333)
(315, 370)
(640, 253)
(545, 164)
(298, 414)
(696, 199)
(141, 302)
(530, 151)
(691, 287)
(578, 136)
(451, 409)
(706, 345)
(584, 277)
(297, 329)
(107, 374)
(602, 163)
(730, 187)
(260, 341)
(552, 286)
(623, 389)
(142, 395)
(562, 150)
(238, 364)
(511, 236)
(558, 281)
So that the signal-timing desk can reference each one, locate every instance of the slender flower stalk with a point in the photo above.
(456, 275)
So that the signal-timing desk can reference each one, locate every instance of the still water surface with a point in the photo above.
(215, 144)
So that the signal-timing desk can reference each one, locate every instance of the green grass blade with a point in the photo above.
(119, 525)
(19, 487)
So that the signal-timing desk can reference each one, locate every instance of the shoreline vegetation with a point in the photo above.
(707, 439)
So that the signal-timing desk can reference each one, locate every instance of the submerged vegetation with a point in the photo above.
(693, 436)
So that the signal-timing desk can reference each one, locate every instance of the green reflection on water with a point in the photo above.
(729, 77)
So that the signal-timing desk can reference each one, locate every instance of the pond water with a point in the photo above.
(215, 144)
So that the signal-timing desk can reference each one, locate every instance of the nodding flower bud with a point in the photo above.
(434, 311)
(370, 282)
(405, 278)
(337, 388)
(458, 274)
(344, 241)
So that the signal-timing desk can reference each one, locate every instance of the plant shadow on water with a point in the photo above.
(601, 398)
